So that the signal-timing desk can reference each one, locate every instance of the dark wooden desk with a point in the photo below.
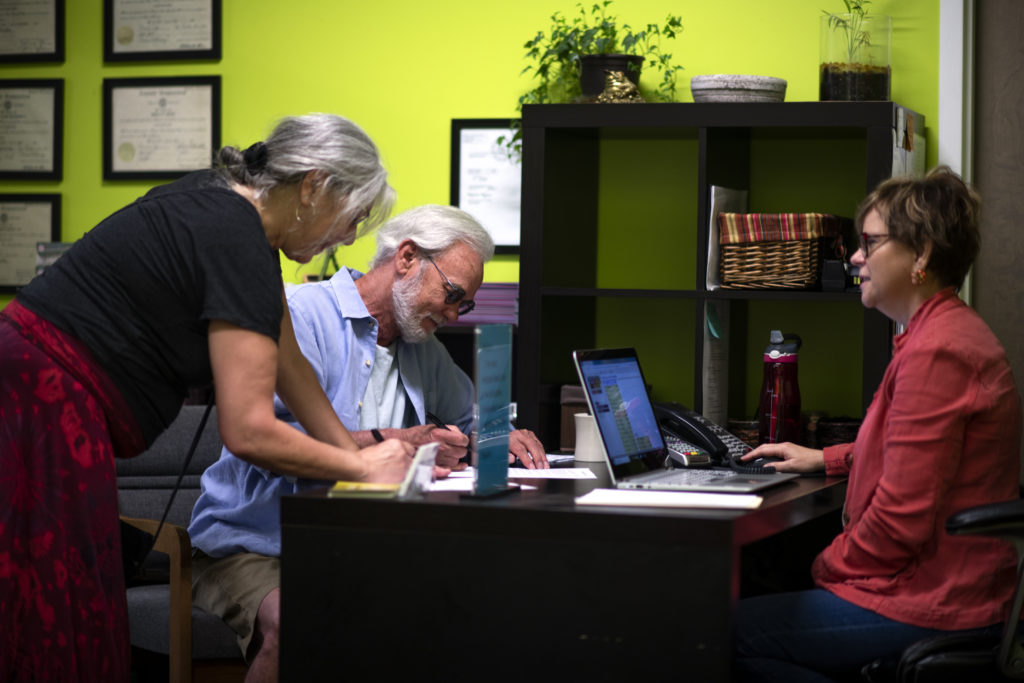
(454, 588)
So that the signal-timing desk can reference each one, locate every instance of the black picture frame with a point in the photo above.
(501, 217)
(119, 31)
(137, 121)
(43, 41)
(13, 95)
(24, 246)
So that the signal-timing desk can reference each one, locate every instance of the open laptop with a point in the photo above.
(634, 445)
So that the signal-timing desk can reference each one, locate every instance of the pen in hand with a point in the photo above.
(436, 421)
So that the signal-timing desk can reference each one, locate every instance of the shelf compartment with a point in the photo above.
(596, 269)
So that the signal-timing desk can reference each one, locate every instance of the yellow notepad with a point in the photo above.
(363, 489)
(416, 483)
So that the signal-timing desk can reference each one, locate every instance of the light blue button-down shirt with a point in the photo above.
(239, 508)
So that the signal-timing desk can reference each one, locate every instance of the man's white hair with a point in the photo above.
(434, 228)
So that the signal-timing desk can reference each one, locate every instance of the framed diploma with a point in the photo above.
(31, 129)
(25, 220)
(144, 30)
(485, 182)
(31, 31)
(157, 128)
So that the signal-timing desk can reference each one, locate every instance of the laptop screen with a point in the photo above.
(617, 395)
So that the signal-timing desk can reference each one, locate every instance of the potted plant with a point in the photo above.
(855, 54)
(569, 62)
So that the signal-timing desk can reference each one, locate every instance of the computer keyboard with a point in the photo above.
(691, 476)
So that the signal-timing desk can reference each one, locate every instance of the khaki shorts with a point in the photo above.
(233, 587)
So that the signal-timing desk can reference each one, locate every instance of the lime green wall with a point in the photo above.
(404, 69)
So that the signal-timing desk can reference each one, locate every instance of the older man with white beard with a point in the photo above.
(370, 340)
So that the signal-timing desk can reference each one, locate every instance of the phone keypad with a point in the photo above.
(680, 446)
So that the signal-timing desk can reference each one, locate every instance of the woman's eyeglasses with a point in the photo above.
(453, 294)
(869, 243)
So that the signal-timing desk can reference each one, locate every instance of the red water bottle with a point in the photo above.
(779, 414)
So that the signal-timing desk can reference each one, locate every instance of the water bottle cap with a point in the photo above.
(782, 344)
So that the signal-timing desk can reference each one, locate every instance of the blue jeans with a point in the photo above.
(814, 636)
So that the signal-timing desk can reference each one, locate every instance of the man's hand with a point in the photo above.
(527, 448)
(387, 461)
(452, 443)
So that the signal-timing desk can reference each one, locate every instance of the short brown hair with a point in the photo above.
(939, 208)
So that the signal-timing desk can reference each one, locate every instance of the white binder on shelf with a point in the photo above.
(727, 200)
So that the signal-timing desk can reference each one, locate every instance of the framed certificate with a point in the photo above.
(157, 128)
(32, 31)
(31, 129)
(25, 220)
(144, 30)
(485, 182)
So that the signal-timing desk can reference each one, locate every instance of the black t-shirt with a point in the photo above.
(140, 288)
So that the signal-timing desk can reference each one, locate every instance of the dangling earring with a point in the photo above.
(918, 276)
(298, 218)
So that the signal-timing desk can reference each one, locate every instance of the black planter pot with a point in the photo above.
(593, 69)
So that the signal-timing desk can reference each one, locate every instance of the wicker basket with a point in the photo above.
(777, 251)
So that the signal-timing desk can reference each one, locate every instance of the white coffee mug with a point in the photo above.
(589, 447)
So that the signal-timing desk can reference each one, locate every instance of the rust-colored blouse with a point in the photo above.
(942, 434)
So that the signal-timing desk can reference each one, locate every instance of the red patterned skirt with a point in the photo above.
(63, 615)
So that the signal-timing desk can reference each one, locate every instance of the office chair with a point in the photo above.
(163, 624)
(957, 658)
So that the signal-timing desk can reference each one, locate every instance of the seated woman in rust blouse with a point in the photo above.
(942, 434)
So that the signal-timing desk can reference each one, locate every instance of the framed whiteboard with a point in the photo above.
(486, 182)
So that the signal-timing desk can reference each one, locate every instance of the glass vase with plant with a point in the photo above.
(558, 58)
(854, 52)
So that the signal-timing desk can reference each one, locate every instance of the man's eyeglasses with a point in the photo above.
(453, 294)
(869, 243)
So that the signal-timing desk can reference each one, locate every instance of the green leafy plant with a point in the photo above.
(555, 56)
(852, 24)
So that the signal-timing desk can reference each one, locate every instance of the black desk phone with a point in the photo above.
(691, 427)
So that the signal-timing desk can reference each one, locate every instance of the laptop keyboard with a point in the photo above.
(688, 476)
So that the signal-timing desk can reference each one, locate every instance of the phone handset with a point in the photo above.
(689, 425)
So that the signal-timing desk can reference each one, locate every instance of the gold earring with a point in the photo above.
(298, 218)
(919, 276)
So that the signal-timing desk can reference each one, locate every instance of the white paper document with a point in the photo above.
(523, 473)
(682, 499)
(463, 482)
(553, 473)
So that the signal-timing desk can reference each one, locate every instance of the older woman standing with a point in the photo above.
(942, 434)
(177, 289)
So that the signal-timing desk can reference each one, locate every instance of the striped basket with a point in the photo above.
(778, 250)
